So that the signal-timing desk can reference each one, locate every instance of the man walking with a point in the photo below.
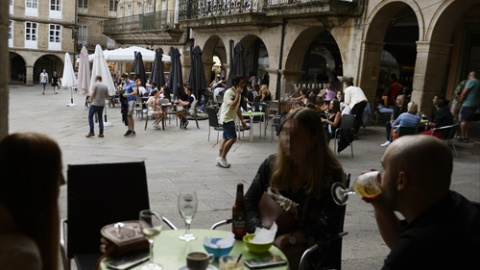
(470, 99)
(43, 80)
(357, 101)
(99, 94)
(131, 95)
(229, 111)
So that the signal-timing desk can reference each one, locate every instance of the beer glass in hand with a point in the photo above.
(366, 185)
(151, 225)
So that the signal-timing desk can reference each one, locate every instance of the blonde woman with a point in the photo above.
(265, 94)
(302, 171)
(29, 233)
(407, 119)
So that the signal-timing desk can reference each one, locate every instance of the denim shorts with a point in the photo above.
(467, 113)
(229, 131)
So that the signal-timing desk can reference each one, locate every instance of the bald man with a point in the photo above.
(441, 228)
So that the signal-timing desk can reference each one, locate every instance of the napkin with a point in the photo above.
(264, 235)
(225, 242)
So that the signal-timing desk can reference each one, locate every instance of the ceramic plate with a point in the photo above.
(210, 267)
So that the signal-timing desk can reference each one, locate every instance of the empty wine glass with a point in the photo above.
(187, 207)
(151, 225)
(366, 185)
(260, 108)
(254, 107)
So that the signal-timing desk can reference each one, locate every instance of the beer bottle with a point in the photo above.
(239, 216)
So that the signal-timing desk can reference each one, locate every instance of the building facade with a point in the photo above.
(42, 31)
(429, 45)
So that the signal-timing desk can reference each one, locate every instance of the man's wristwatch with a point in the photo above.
(292, 240)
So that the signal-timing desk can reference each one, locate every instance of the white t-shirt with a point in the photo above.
(354, 95)
(141, 90)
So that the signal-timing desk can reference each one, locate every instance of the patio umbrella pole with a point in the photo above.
(71, 98)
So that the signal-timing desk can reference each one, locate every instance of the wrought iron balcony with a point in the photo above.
(204, 9)
(161, 20)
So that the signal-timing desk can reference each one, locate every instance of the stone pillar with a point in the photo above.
(272, 85)
(29, 74)
(4, 77)
(289, 78)
(430, 70)
(371, 56)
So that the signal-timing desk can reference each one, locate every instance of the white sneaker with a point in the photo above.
(385, 144)
(217, 162)
(223, 163)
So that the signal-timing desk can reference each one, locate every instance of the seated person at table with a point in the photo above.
(140, 89)
(29, 227)
(297, 95)
(400, 107)
(334, 118)
(265, 94)
(443, 117)
(423, 222)
(406, 119)
(186, 104)
(328, 93)
(252, 93)
(302, 172)
(339, 97)
(155, 109)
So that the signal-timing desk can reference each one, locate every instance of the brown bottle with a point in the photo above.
(239, 216)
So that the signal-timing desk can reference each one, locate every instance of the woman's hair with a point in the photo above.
(31, 195)
(264, 90)
(154, 92)
(335, 106)
(137, 81)
(412, 107)
(322, 166)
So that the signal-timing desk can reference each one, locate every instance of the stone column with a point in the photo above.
(4, 77)
(272, 85)
(289, 78)
(430, 70)
(29, 74)
(371, 56)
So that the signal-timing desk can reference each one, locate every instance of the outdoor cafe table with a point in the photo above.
(251, 114)
(171, 252)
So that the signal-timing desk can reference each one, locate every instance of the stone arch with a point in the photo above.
(18, 69)
(50, 62)
(443, 23)
(248, 43)
(378, 24)
(213, 46)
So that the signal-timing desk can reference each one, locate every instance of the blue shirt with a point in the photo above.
(407, 120)
(473, 96)
(129, 89)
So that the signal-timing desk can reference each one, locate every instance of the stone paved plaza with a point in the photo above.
(176, 160)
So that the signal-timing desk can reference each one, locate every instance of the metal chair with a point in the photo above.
(213, 122)
(451, 135)
(97, 195)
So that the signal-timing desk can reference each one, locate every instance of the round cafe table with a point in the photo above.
(171, 252)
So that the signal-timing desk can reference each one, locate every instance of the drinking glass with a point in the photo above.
(366, 185)
(151, 225)
(254, 107)
(260, 108)
(187, 207)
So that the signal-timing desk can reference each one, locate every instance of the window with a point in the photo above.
(55, 33)
(31, 30)
(82, 35)
(112, 5)
(83, 3)
(11, 7)
(55, 9)
(149, 7)
(55, 5)
(31, 3)
(10, 33)
(129, 10)
(31, 7)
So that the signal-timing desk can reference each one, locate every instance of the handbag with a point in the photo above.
(271, 211)
(121, 238)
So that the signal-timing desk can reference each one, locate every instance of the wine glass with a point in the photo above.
(254, 107)
(366, 185)
(260, 108)
(187, 207)
(151, 225)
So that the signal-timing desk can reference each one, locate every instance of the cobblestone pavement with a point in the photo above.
(183, 159)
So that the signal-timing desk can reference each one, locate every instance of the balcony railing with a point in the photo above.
(160, 20)
(192, 9)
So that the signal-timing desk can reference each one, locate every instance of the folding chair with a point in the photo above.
(97, 195)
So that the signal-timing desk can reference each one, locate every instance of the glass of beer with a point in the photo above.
(366, 185)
